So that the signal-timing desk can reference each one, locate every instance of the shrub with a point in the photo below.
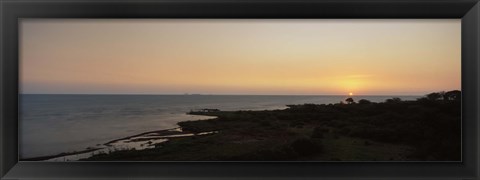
(364, 101)
(318, 132)
(265, 123)
(394, 100)
(435, 96)
(305, 147)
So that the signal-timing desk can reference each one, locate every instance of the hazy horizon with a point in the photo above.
(200, 94)
(240, 57)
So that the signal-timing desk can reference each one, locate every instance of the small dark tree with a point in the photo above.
(394, 100)
(434, 96)
(350, 100)
(454, 95)
(364, 101)
(442, 94)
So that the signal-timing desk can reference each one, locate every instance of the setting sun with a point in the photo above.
(350, 94)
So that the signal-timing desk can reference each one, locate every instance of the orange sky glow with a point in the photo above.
(278, 57)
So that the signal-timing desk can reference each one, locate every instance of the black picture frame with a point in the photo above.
(466, 10)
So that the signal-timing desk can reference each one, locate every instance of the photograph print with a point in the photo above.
(321, 90)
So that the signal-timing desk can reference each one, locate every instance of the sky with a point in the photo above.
(264, 57)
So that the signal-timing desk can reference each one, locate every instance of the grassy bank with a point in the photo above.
(426, 129)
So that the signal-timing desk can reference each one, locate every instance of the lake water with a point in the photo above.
(52, 124)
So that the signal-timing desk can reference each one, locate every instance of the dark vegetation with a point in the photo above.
(427, 129)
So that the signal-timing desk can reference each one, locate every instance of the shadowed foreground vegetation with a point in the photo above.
(427, 129)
